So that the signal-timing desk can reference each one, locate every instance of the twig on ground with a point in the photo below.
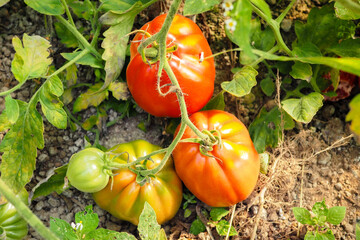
(231, 220)
(257, 218)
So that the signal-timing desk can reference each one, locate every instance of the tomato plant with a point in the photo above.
(228, 173)
(196, 78)
(346, 82)
(87, 170)
(12, 226)
(124, 197)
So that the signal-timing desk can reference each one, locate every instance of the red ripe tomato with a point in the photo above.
(196, 79)
(231, 174)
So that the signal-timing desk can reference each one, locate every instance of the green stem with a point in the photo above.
(280, 18)
(261, 59)
(68, 13)
(12, 89)
(275, 26)
(79, 36)
(26, 213)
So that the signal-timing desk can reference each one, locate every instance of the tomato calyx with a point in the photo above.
(207, 145)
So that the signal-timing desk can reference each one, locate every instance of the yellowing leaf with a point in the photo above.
(242, 83)
(31, 60)
(92, 97)
(119, 90)
(354, 114)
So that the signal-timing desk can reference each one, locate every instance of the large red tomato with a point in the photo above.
(231, 174)
(196, 78)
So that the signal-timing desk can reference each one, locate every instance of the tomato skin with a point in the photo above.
(347, 82)
(86, 170)
(11, 222)
(231, 176)
(126, 199)
(196, 79)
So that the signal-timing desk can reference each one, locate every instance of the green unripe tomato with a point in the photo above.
(86, 170)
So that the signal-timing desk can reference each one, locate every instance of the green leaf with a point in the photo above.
(3, 2)
(92, 97)
(262, 39)
(336, 215)
(267, 86)
(197, 227)
(242, 83)
(193, 7)
(31, 60)
(263, 6)
(302, 215)
(301, 71)
(357, 231)
(62, 229)
(347, 48)
(105, 234)
(55, 183)
(217, 102)
(307, 50)
(148, 226)
(51, 105)
(320, 209)
(217, 213)
(303, 109)
(323, 28)
(347, 13)
(162, 235)
(90, 122)
(47, 7)
(19, 147)
(222, 228)
(119, 90)
(88, 59)
(88, 219)
(12, 109)
(120, 6)
(115, 41)
(65, 36)
(242, 14)
(82, 9)
(264, 162)
(265, 130)
(187, 213)
(354, 114)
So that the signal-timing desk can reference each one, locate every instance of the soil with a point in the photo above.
(315, 161)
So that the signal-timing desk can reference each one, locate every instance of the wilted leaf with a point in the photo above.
(193, 7)
(354, 114)
(119, 90)
(12, 109)
(92, 97)
(303, 109)
(20, 147)
(31, 60)
(264, 162)
(47, 7)
(242, 83)
(148, 226)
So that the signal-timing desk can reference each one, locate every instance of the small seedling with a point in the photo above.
(320, 217)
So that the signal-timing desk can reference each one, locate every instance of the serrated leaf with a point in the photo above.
(217, 102)
(265, 130)
(303, 109)
(65, 36)
(242, 83)
(119, 90)
(217, 213)
(88, 219)
(193, 7)
(12, 109)
(62, 229)
(320, 209)
(347, 48)
(148, 226)
(323, 28)
(197, 227)
(55, 183)
(302, 215)
(87, 59)
(51, 105)
(31, 59)
(354, 114)
(347, 12)
(105, 234)
(47, 7)
(336, 214)
(19, 146)
(267, 86)
(301, 71)
(92, 97)
(222, 228)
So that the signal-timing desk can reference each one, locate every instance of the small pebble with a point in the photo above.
(338, 186)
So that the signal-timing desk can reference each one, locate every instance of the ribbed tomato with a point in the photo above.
(196, 78)
(124, 198)
(231, 174)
